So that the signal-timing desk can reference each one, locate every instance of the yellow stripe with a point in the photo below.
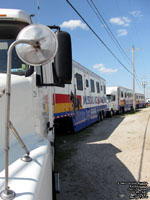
(62, 107)
(122, 102)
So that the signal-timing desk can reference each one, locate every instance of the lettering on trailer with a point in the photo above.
(122, 102)
(93, 100)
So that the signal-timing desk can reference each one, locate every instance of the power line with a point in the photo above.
(108, 30)
(137, 80)
(98, 37)
(110, 33)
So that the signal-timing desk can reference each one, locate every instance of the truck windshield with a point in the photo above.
(18, 67)
(109, 97)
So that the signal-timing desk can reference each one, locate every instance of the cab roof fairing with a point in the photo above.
(15, 15)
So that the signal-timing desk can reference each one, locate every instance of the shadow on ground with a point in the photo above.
(92, 171)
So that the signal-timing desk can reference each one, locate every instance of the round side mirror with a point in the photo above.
(44, 50)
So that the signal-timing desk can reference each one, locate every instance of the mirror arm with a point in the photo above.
(7, 193)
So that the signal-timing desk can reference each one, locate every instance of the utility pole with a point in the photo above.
(133, 71)
(134, 103)
(144, 84)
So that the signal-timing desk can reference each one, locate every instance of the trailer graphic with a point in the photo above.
(82, 103)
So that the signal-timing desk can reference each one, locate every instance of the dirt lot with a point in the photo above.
(106, 160)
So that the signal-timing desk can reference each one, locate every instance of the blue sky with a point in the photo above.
(128, 21)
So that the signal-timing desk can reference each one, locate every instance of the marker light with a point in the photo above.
(3, 15)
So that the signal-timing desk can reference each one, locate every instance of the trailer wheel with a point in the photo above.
(64, 126)
(101, 116)
(121, 111)
(69, 126)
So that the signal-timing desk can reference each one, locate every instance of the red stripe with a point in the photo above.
(63, 98)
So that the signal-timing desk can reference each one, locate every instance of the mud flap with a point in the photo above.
(56, 182)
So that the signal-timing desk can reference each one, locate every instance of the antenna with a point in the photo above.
(38, 7)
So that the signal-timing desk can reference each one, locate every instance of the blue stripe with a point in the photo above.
(84, 117)
(63, 113)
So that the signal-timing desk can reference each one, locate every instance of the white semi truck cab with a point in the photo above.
(112, 100)
(31, 112)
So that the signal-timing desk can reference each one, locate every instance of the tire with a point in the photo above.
(69, 129)
(101, 116)
(120, 111)
(111, 113)
(53, 186)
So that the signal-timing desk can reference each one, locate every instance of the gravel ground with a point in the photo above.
(99, 162)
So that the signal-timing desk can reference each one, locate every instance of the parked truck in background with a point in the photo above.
(120, 100)
(140, 100)
(31, 111)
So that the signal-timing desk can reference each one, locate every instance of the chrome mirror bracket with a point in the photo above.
(7, 194)
(26, 158)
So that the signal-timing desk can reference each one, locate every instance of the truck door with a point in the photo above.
(41, 102)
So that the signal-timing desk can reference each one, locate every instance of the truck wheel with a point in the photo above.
(111, 113)
(53, 185)
(120, 111)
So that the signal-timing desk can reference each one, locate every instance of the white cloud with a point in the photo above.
(102, 69)
(73, 24)
(126, 19)
(116, 20)
(136, 13)
(122, 32)
(98, 66)
(120, 21)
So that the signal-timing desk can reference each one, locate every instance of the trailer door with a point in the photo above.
(87, 100)
(118, 97)
(80, 118)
